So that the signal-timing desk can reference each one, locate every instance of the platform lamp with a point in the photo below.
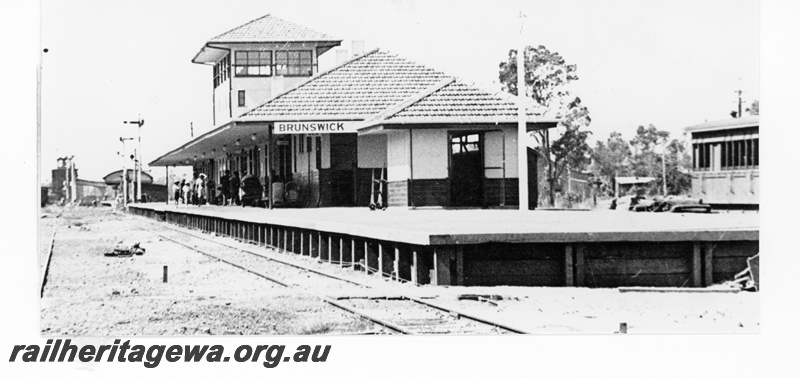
(139, 123)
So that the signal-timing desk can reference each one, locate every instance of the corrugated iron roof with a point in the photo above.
(272, 29)
(728, 123)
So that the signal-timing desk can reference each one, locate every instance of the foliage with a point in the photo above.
(646, 162)
(753, 109)
(642, 156)
(546, 77)
(611, 159)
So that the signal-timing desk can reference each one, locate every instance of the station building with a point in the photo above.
(435, 140)
(725, 163)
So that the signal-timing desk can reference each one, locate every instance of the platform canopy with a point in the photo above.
(229, 138)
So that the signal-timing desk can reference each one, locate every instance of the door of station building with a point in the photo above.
(466, 169)
(342, 175)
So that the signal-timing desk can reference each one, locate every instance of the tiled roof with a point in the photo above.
(272, 29)
(458, 101)
(357, 90)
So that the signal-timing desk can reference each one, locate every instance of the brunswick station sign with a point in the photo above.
(324, 127)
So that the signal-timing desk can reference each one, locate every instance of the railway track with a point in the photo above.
(395, 315)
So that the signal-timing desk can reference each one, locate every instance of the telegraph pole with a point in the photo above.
(739, 92)
(664, 166)
(138, 161)
(73, 185)
(124, 176)
(522, 115)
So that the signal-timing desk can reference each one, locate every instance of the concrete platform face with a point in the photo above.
(459, 227)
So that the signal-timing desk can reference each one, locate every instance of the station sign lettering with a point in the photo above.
(317, 127)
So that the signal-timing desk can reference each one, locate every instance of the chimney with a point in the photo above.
(342, 56)
(358, 48)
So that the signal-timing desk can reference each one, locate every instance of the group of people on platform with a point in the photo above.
(232, 190)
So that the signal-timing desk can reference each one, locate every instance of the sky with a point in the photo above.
(668, 63)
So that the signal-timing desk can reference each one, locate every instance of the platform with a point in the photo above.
(497, 247)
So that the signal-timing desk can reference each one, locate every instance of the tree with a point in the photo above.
(647, 162)
(611, 159)
(679, 181)
(753, 109)
(546, 76)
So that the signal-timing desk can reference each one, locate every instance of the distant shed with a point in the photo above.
(624, 184)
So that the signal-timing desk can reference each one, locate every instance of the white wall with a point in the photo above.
(493, 152)
(397, 157)
(221, 104)
(372, 151)
(430, 153)
(257, 91)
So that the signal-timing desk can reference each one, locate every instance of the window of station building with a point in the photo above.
(253, 63)
(701, 156)
(216, 75)
(241, 98)
(465, 144)
(740, 154)
(293, 63)
(222, 71)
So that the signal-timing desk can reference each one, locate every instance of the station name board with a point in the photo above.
(326, 127)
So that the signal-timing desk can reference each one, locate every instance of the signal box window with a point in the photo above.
(241, 98)
(293, 63)
(253, 63)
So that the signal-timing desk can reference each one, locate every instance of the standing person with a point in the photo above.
(234, 192)
(193, 189)
(200, 188)
(185, 189)
(176, 192)
(211, 192)
(225, 185)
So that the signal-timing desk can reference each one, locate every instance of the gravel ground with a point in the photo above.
(89, 294)
(600, 311)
